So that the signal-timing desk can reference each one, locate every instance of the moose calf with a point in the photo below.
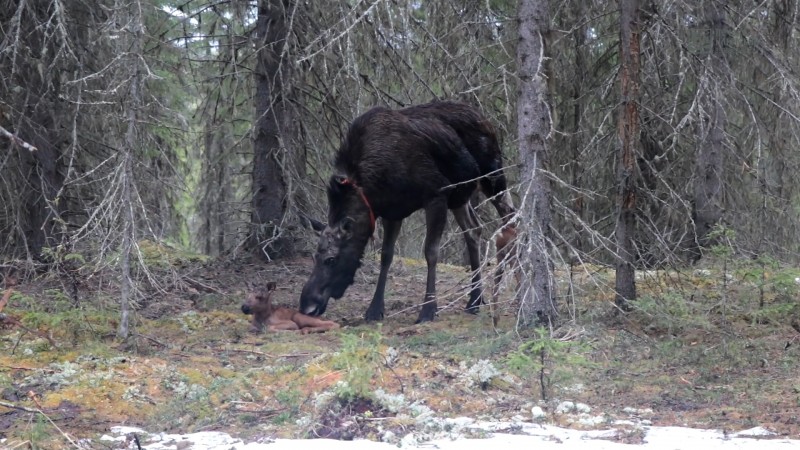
(259, 304)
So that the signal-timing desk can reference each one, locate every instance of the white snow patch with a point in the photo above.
(528, 435)
(755, 432)
(538, 413)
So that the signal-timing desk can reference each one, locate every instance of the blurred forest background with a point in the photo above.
(209, 126)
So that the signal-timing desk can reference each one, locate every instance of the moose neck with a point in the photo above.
(371, 213)
(363, 226)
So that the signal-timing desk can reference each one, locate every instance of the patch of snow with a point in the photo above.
(565, 407)
(538, 413)
(755, 432)
(459, 423)
(408, 441)
(591, 421)
(582, 408)
(527, 435)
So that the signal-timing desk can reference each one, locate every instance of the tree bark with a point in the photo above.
(576, 142)
(133, 104)
(217, 192)
(628, 130)
(538, 289)
(269, 235)
(37, 114)
(709, 157)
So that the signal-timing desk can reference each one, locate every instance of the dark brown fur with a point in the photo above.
(277, 318)
(394, 162)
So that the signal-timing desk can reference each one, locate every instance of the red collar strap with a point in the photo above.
(348, 181)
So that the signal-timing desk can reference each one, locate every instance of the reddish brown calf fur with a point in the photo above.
(277, 318)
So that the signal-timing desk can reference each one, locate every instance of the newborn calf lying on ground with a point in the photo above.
(259, 304)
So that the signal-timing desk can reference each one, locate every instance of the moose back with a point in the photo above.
(390, 164)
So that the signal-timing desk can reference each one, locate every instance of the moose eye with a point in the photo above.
(329, 261)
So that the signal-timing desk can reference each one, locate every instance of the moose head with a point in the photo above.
(351, 222)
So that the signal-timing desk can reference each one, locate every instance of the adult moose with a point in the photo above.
(390, 164)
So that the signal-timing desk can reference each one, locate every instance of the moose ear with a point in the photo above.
(271, 286)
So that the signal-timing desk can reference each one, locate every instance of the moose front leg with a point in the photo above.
(391, 229)
(435, 221)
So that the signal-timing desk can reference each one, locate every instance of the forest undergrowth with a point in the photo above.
(716, 346)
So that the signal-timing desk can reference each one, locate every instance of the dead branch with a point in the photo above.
(13, 138)
(39, 411)
(26, 368)
(204, 287)
(21, 408)
(267, 355)
(151, 339)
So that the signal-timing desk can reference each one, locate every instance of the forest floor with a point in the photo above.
(706, 348)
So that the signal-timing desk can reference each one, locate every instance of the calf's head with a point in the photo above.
(259, 304)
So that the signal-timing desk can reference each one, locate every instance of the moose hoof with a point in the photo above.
(473, 309)
(373, 316)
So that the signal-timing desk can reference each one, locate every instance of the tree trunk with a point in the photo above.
(45, 180)
(133, 103)
(217, 191)
(626, 162)
(32, 103)
(711, 125)
(269, 235)
(538, 290)
(576, 142)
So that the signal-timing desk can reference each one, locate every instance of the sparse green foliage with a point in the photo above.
(60, 255)
(40, 432)
(289, 399)
(76, 325)
(547, 360)
(671, 312)
(723, 237)
(359, 359)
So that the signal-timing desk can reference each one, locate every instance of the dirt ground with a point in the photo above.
(696, 353)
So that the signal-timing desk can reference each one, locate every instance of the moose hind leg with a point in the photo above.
(472, 233)
(435, 221)
(391, 229)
